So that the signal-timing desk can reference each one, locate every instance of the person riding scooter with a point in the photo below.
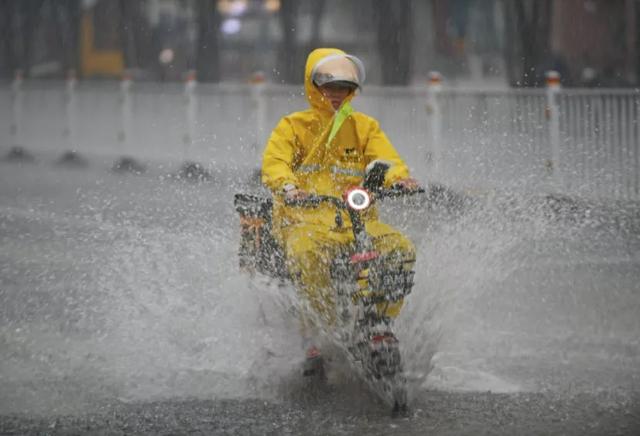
(323, 151)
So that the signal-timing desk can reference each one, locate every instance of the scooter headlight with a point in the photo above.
(358, 199)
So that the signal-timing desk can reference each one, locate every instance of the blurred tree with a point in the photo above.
(208, 49)
(27, 16)
(136, 35)
(66, 16)
(317, 9)
(395, 36)
(288, 53)
(36, 32)
(636, 40)
(316, 12)
(9, 62)
(528, 30)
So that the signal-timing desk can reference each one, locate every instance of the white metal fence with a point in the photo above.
(600, 142)
(584, 142)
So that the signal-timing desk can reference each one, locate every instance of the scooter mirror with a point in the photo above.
(374, 175)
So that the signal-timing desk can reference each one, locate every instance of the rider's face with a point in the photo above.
(335, 94)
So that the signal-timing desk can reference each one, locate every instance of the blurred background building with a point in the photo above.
(590, 42)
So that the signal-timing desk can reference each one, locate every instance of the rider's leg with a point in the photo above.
(398, 250)
(309, 252)
(310, 249)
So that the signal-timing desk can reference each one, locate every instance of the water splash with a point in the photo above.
(127, 288)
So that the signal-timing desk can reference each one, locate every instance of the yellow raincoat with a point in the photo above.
(322, 151)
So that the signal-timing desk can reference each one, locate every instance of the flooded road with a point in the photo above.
(438, 413)
(122, 311)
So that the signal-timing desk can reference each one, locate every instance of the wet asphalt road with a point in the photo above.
(326, 413)
(63, 230)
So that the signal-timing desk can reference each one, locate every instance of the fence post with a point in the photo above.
(191, 104)
(257, 82)
(126, 163)
(191, 170)
(71, 157)
(70, 106)
(124, 136)
(434, 121)
(17, 151)
(17, 101)
(553, 115)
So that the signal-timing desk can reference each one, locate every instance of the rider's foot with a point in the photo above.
(313, 363)
(312, 353)
(384, 352)
(383, 340)
(380, 334)
(400, 410)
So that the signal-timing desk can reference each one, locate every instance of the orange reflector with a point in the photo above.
(363, 257)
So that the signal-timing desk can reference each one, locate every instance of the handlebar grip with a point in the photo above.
(400, 191)
(310, 201)
(315, 201)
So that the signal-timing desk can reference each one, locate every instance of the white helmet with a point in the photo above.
(341, 69)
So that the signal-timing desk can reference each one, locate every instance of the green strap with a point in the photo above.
(342, 114)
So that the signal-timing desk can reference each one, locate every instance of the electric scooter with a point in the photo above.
(363, 280)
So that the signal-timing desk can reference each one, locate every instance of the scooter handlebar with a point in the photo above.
(398, 191)
(313, 200)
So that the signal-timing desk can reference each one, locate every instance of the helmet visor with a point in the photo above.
(339, 69)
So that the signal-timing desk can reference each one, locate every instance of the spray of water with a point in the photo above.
(127, 289)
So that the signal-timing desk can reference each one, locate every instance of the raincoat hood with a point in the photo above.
(314, 96)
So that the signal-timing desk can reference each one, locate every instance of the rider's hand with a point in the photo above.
(293, 193)
(296, 194)
(409, 184)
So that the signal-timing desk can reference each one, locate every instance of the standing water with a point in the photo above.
(122, 307)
